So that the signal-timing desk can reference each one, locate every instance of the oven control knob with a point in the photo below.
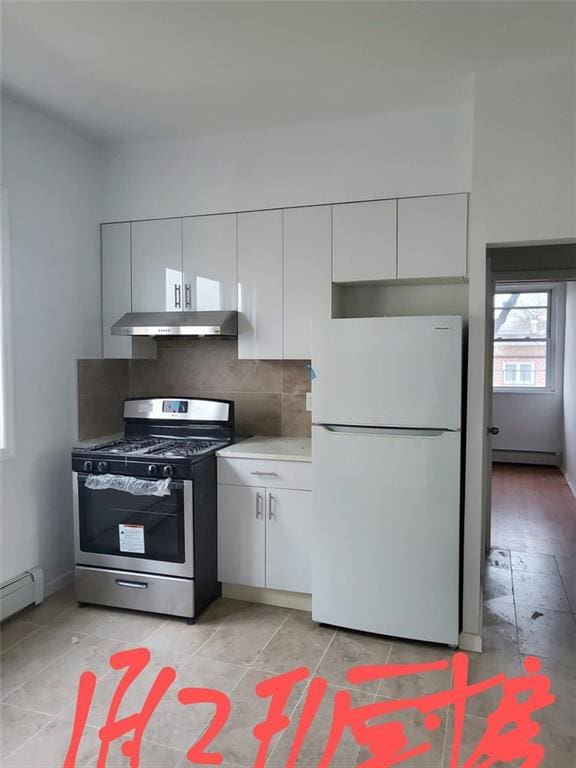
(153, 469)
(88, 466)
(102, 466)
(167, 470)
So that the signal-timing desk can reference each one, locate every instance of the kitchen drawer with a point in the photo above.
(267, 473)
(161, 594)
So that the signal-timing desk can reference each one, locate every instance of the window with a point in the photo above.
(523, 339)
(519, 374)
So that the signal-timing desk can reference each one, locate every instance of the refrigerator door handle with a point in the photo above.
(384, 431)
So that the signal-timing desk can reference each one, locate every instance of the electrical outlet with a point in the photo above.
(308, 401)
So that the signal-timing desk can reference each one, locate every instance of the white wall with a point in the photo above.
(569, 467)
(522, 189)
(52, 177)
(398, 154)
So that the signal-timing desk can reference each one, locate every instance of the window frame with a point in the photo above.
(7, 448)
(551, 337)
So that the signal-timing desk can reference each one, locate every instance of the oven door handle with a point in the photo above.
(132, 584)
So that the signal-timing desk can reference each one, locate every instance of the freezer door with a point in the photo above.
(386, 531)
(388, 371)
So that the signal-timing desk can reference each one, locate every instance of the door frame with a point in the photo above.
(503, 265)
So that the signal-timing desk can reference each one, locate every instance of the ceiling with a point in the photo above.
(130, 69)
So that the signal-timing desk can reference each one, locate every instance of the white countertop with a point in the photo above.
(273, 448)
(85, 444)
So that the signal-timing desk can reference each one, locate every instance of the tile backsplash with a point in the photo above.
(103, 385)
(269, 395)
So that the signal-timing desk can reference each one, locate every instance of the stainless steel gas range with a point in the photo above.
(145, 526)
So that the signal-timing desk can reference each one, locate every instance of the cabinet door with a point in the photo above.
(209, 262)
(288, 530)
(432, 236)
(307, 276)
(241, 535)
(260, 334)
(364, 241)
(157, 266)
(116, 291)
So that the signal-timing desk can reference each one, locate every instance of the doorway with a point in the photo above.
(530, 532)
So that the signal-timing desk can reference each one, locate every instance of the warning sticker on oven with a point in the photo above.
(131, 538)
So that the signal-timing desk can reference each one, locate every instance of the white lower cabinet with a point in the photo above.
(288, 540)
(264, 533)
(241, 535)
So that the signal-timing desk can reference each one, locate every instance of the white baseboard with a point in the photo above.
(55, 585)
(550, 459)
(297, 600)
(570, 481)
(470, 642)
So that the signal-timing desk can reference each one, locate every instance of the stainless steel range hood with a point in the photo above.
(177, 324)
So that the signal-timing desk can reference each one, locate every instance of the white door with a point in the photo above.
(116, 290)
(364, 241)
(288, 530)
(241, 535)
(307, 276)
(157, 266)
(388, 371)
(209, 259)
(260, 333)
(432, 236)
(386, 531)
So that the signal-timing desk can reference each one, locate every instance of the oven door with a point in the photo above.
(117, 529)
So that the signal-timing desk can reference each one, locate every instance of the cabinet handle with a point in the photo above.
(132, 584)
(271, 514)
(178, 296)
(258, 505)
(187, 295)
(265, 474)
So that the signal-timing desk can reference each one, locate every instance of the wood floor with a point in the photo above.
(533, 510)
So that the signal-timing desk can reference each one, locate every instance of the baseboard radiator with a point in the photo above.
(548, 458)
(21, 591)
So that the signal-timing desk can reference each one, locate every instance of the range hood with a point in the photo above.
(177, 324)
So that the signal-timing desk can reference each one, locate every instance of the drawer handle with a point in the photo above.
(132, 584)
(265, 474)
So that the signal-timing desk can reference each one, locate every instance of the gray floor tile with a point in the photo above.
(242, 636)
(540, 590)
(353, 649)
(17, 726)
(498, 582)
(129, 626)
(55, 688)
(28, 657)
(530, 561)
(567, 568)
(499, 558)
(420, 684)
(547, 633)
(500, 631)
(15, 629)
(299, 642)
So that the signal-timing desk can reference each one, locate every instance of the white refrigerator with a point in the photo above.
(386, 447)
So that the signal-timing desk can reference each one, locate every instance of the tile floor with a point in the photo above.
(530, 605)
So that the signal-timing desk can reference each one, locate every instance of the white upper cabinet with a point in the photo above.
(116, 292)
(307, 276)
(432, 236)
(209, 262)
(364, 241)
(157, 266)
(260, 332)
